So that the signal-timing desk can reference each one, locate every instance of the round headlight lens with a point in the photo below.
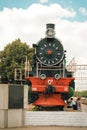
(43, 76)
(50, 33)
(57, 76)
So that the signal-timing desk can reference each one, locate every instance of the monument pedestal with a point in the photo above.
(13, 104)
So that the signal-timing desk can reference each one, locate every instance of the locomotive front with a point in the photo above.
(50, 83)
(49, 51)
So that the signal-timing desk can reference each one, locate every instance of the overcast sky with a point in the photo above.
(27, 19)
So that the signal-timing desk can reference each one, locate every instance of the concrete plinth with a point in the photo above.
(11, 117)
(15, 118)
(25, 96)
(50, 118)
(3, 96)
(3, 118)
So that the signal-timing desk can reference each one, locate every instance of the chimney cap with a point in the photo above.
(50, 25)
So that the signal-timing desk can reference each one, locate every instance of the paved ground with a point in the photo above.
(47, 128)
(84, 107)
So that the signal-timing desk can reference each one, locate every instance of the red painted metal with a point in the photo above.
(49, 52)
(50, 100)
(39, 85)
(61, 86)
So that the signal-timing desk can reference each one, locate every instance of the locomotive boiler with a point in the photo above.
(50, 84)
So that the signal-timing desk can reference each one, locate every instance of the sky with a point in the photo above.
(27, 19)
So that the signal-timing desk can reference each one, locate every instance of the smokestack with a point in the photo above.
(50, 25)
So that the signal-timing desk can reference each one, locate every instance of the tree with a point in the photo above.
(13, 56)
(81, 93)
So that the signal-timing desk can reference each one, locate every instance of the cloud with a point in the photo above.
(74, 39)
(30, 25)
(83, 11)
(43, 1)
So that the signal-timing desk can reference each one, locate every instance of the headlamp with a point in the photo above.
(57, 76)
(50, 33)
(43, 76)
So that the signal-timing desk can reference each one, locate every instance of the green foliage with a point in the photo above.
(14, 56)
(35, 108)
(81, 93)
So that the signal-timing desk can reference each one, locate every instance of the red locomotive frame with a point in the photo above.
(49, 100)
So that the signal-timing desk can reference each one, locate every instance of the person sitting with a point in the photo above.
(73, 104)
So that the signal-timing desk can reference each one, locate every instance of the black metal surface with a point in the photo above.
(50, 25)
(16, 96)
(50, 51)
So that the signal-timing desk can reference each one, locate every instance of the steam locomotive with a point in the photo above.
(50, 84)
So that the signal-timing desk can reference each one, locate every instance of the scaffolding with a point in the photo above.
(80, 74)
(22, 73)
